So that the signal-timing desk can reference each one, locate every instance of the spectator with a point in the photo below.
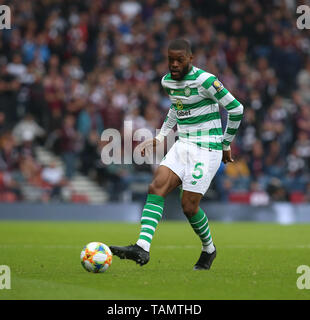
(54, 178)
(9, 155)
(239, 173)
(27, 129)
(303, 81)
(75, 69)
(69, 141)
(89, 119)
(258, 196)
(3, 126)
(9, 189)
(16, 68)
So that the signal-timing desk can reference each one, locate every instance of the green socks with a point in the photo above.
(151, 215)
(199, 223)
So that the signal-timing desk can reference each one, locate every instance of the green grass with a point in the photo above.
(254, 261)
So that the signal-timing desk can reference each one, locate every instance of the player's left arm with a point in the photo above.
(217, 92)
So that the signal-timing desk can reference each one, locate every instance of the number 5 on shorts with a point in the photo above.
(199, 170)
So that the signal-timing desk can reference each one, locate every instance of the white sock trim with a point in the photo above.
(155, 205)
(151, 219)
(209, 248)
(146, 234)
(144, 245)
(153, 211)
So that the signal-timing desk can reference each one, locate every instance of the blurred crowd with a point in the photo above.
(70, 69)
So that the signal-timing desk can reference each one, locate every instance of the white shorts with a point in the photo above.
(195, 166)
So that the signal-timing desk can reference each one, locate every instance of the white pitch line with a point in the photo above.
(303, 246)
(167, 247)
(45, 246)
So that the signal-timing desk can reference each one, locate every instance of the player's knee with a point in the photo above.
(156, 188)
(190, 208)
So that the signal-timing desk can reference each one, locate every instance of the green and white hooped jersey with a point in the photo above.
(195, 109)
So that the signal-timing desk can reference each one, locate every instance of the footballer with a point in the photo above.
(194, 158)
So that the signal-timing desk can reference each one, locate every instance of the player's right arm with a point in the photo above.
(170, 120)
(167, 126)
(169, 123)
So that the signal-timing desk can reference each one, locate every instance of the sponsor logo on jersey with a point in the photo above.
(217, 85)
(183, 113)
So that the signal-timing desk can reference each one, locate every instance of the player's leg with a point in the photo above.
(201, 168)
(199, 222)
(165, 180)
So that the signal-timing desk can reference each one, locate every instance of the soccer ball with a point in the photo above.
(96, 257)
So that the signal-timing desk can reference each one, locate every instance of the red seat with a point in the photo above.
(297, 197)
(8, 196)
(240, 197)
(79, 198)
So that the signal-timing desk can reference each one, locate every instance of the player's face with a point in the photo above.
(179, 62)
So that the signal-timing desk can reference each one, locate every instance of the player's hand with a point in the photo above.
(147, 144)
(227, 156)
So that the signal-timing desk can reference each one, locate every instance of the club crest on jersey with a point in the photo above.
(179, 104)
(187, 91)
(217, 85)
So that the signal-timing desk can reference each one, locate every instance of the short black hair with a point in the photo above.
(180, 44)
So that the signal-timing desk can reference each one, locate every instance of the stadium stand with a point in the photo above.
(70, 69)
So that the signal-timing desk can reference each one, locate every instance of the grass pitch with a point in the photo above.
(254, 261)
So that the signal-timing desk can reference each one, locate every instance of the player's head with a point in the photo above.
(179, 58)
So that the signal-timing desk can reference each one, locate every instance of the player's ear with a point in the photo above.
(190, 57)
